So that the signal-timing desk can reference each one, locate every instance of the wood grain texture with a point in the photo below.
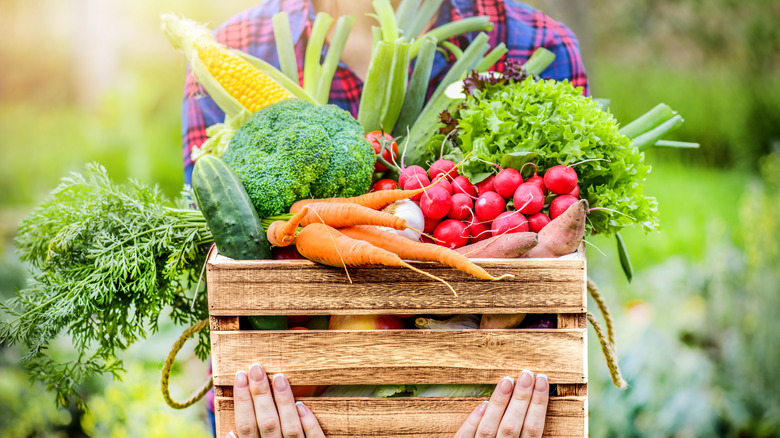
(300, 287)
(357, 357)
(567, 417)
(223, 323)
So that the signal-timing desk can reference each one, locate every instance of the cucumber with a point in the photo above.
(228, 210)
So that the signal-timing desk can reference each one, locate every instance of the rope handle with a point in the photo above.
(607, 341)
(166, 371)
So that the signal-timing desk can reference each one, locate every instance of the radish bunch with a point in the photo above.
(458, 212)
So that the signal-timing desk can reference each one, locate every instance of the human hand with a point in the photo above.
(268, 410)
(514, 410)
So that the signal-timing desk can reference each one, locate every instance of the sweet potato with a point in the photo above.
(505, 246)
(563, 234)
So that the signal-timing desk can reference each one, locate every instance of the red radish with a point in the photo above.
(416, 181)
(575, 192)
(461, 184)
(409, 171)
(486, 185)
(384, 184)
(506, 182)
(442, 183)
(489, 205)
(435, 203)
(537, 221)
(509, 222)
(426, 239)
(560, 204)
(443, 167)
(528, 199)
(560, 179)
(478, 231)
(537, 181)
(430, 224)
(451, 233)
(461, 207)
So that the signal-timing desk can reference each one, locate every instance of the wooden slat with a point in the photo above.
(414, 417)
(323, 357)
(223, 323)
(300, 287)
(574, 321)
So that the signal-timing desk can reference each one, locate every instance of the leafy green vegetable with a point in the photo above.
(553, 119)
(106, 260)
(294, 149)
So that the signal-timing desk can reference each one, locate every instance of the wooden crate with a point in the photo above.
(322, 357)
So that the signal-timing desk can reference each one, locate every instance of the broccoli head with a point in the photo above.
(294, 149)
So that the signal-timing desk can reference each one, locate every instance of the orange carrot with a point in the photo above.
(281, 233)
(340, 214)
(411, 250)
(324, 244)
(374, 200)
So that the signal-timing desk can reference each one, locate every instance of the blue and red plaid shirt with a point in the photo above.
(522, 28)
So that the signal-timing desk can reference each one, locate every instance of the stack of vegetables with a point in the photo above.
(285, 167)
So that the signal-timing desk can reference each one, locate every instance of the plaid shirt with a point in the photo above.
(520, 27)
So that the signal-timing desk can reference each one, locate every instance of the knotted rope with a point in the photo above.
(607, 341)
(166, 371)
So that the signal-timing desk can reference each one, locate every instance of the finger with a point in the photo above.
(265, 408)
(285, 404)
(488, 427)
(311, 427)
(246, 424)
(537, 410)
(512, 422)
(469, 428)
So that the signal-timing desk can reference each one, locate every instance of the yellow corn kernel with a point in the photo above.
(242, 80)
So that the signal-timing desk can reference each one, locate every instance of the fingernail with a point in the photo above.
(541, 383)
(256, 372)
(230, 435)
(506, 385)
(302, 409)
(241, 379)
(280, 382)
(482, 407)
(526, 379)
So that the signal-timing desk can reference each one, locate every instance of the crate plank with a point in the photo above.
(323, 357)
(300, 287)
(419, 417)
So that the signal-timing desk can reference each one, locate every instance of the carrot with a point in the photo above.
(411, 250)
(503, 246)
(281, 233)
(374, 200)
(324, 244)
(563, 234)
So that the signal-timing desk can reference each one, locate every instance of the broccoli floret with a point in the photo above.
(293, 150)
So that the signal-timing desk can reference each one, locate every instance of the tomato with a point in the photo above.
(384, 184)
(375, 138)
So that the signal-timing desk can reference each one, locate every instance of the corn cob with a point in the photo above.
(220, 71)
(247, 84)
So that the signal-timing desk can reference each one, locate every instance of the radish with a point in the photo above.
(461, 206)
(451, 233)
(509, 222)
(486, 185)
(414, 182)
(506, 182)
(446, 167)
(575, 192)
(528, 199)
(435, 203)
(537, 181)
(560, 179)
(478, 231)
(461, 184)
(442, 183)
(537, 221)
(560, 204)
(430, 224)
(409, 171)
(489, 205)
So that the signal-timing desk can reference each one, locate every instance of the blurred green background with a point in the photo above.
(697, 329)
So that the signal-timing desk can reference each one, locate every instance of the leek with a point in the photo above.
(288, 62)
